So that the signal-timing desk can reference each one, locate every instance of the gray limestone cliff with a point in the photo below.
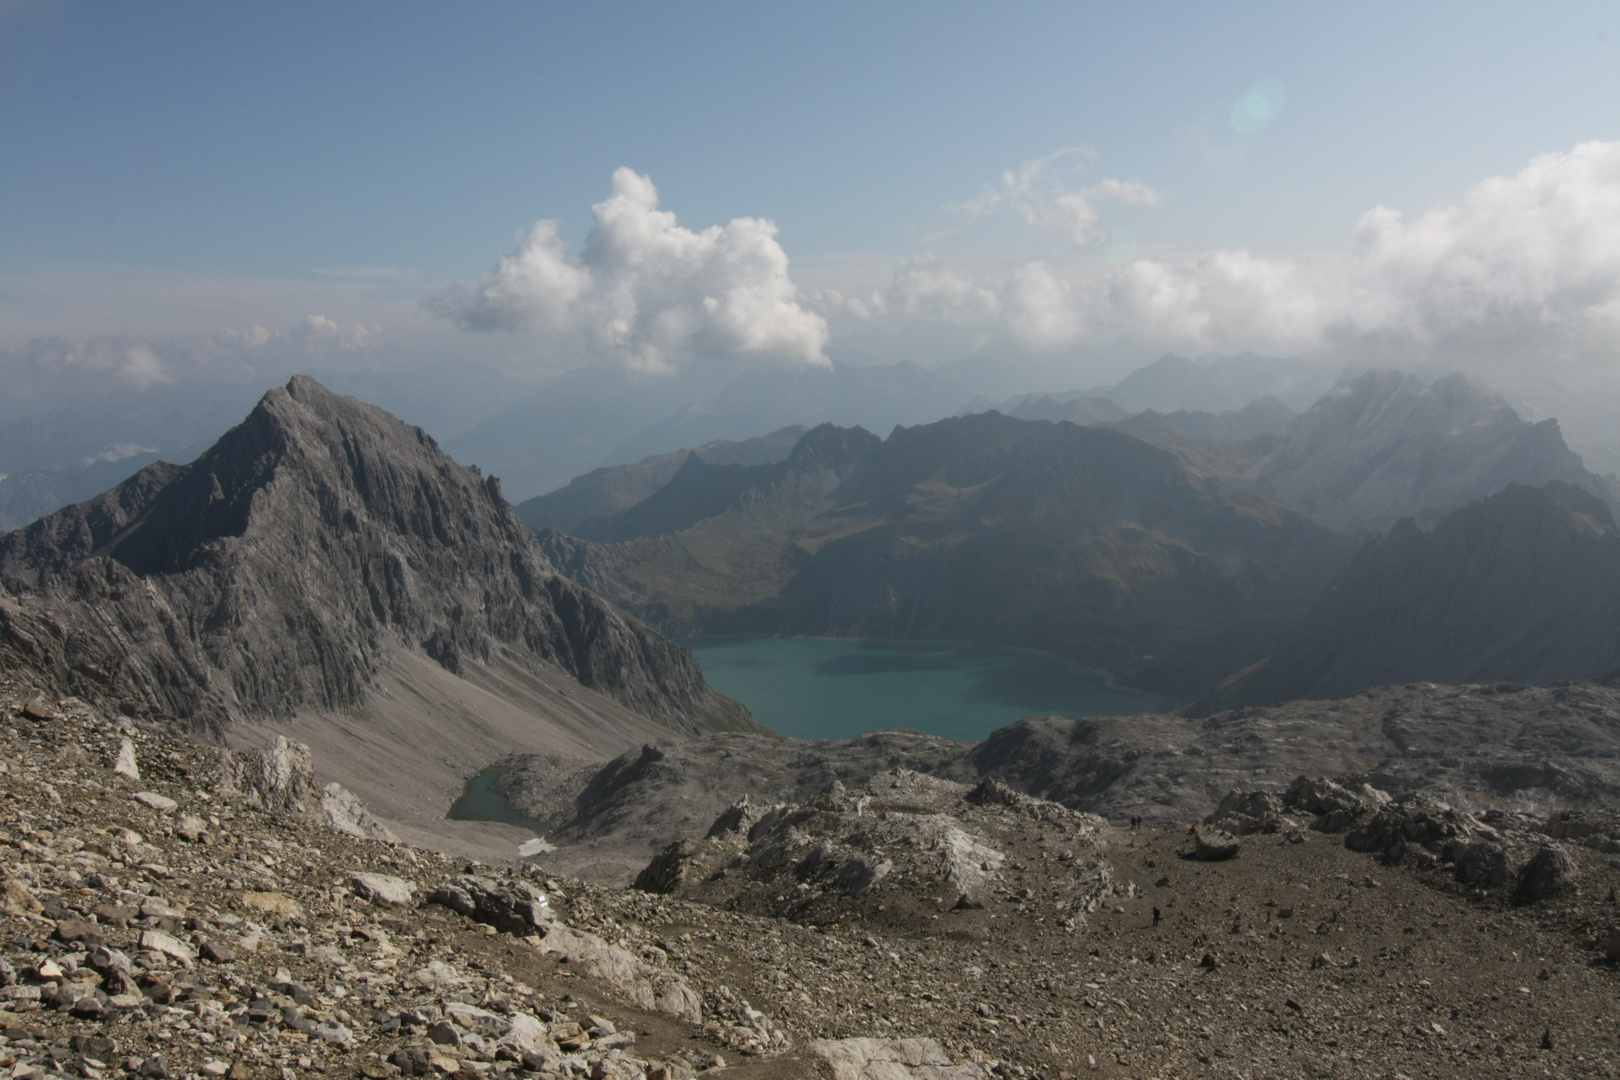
(275, 573)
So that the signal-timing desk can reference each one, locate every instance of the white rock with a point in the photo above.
(125, 765)
(161, 803)
(348, 814)
(190, 827)
(891, 1059)
(214, 1068)
(437, 973)
(277, 778)
(472, 1018)
(335, 1033)
(524, 1033)
(384, 888)
(645, 985)
(158, 941)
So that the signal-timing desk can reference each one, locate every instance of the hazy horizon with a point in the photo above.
(442, 212)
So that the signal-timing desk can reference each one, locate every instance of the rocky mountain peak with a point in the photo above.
(274, 572)
(1386, 445)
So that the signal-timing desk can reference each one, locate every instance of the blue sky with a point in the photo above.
(177, 170)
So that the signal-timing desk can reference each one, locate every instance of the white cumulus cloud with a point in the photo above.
(127, 360)
(1036, 192)
(647, 290)
(1521, 267)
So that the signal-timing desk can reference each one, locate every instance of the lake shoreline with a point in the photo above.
(1108, 678)
(821, 687)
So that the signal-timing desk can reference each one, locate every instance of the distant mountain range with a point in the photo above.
(597, 416)
(1175, 550)
(1086, 542)
(28, 496)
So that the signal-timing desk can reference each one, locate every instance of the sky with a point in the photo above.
(204, 190)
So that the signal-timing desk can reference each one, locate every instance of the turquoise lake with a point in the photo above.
(824, 689)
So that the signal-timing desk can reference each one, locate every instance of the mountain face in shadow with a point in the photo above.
(700, 490)
(605, 492)
(279, 571)
(1521, 587)
(1386, 446)
(1085, 542)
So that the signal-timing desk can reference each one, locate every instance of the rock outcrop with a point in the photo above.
(170, 926)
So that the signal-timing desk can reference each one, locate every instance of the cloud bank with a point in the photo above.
(646, 290)
(1525, 266)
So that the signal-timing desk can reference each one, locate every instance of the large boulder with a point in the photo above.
(279, 778)
(644, 985)
(1415, 821)
(1550, 872)
(739, 817)
(1214, 845)
(891, 1059)
(668, 869)
(1482, 863)
(1334, 804)
(1245, 812)
(515, 907)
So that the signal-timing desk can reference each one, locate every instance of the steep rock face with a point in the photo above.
(1523, 587)
(1386, 446)
(273, 573)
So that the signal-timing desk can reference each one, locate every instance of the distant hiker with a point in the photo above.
(1156, 916)
(1194, 830)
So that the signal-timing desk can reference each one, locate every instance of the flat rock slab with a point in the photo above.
(168, 945)
(161, 803)
(384, 888)
(125, 765)
(891, 1059)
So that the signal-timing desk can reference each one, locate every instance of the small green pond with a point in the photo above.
(481, 802)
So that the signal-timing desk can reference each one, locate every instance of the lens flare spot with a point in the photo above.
(1121, 246)
(1255, 109)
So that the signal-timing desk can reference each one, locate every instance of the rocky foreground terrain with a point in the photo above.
(1522, 749)
(175, 910)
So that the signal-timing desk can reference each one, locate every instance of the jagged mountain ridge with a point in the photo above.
(1385, 446)
(1084, 542)
(701, 490)
(604, 492)
(275, 573)
(1523, 586)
